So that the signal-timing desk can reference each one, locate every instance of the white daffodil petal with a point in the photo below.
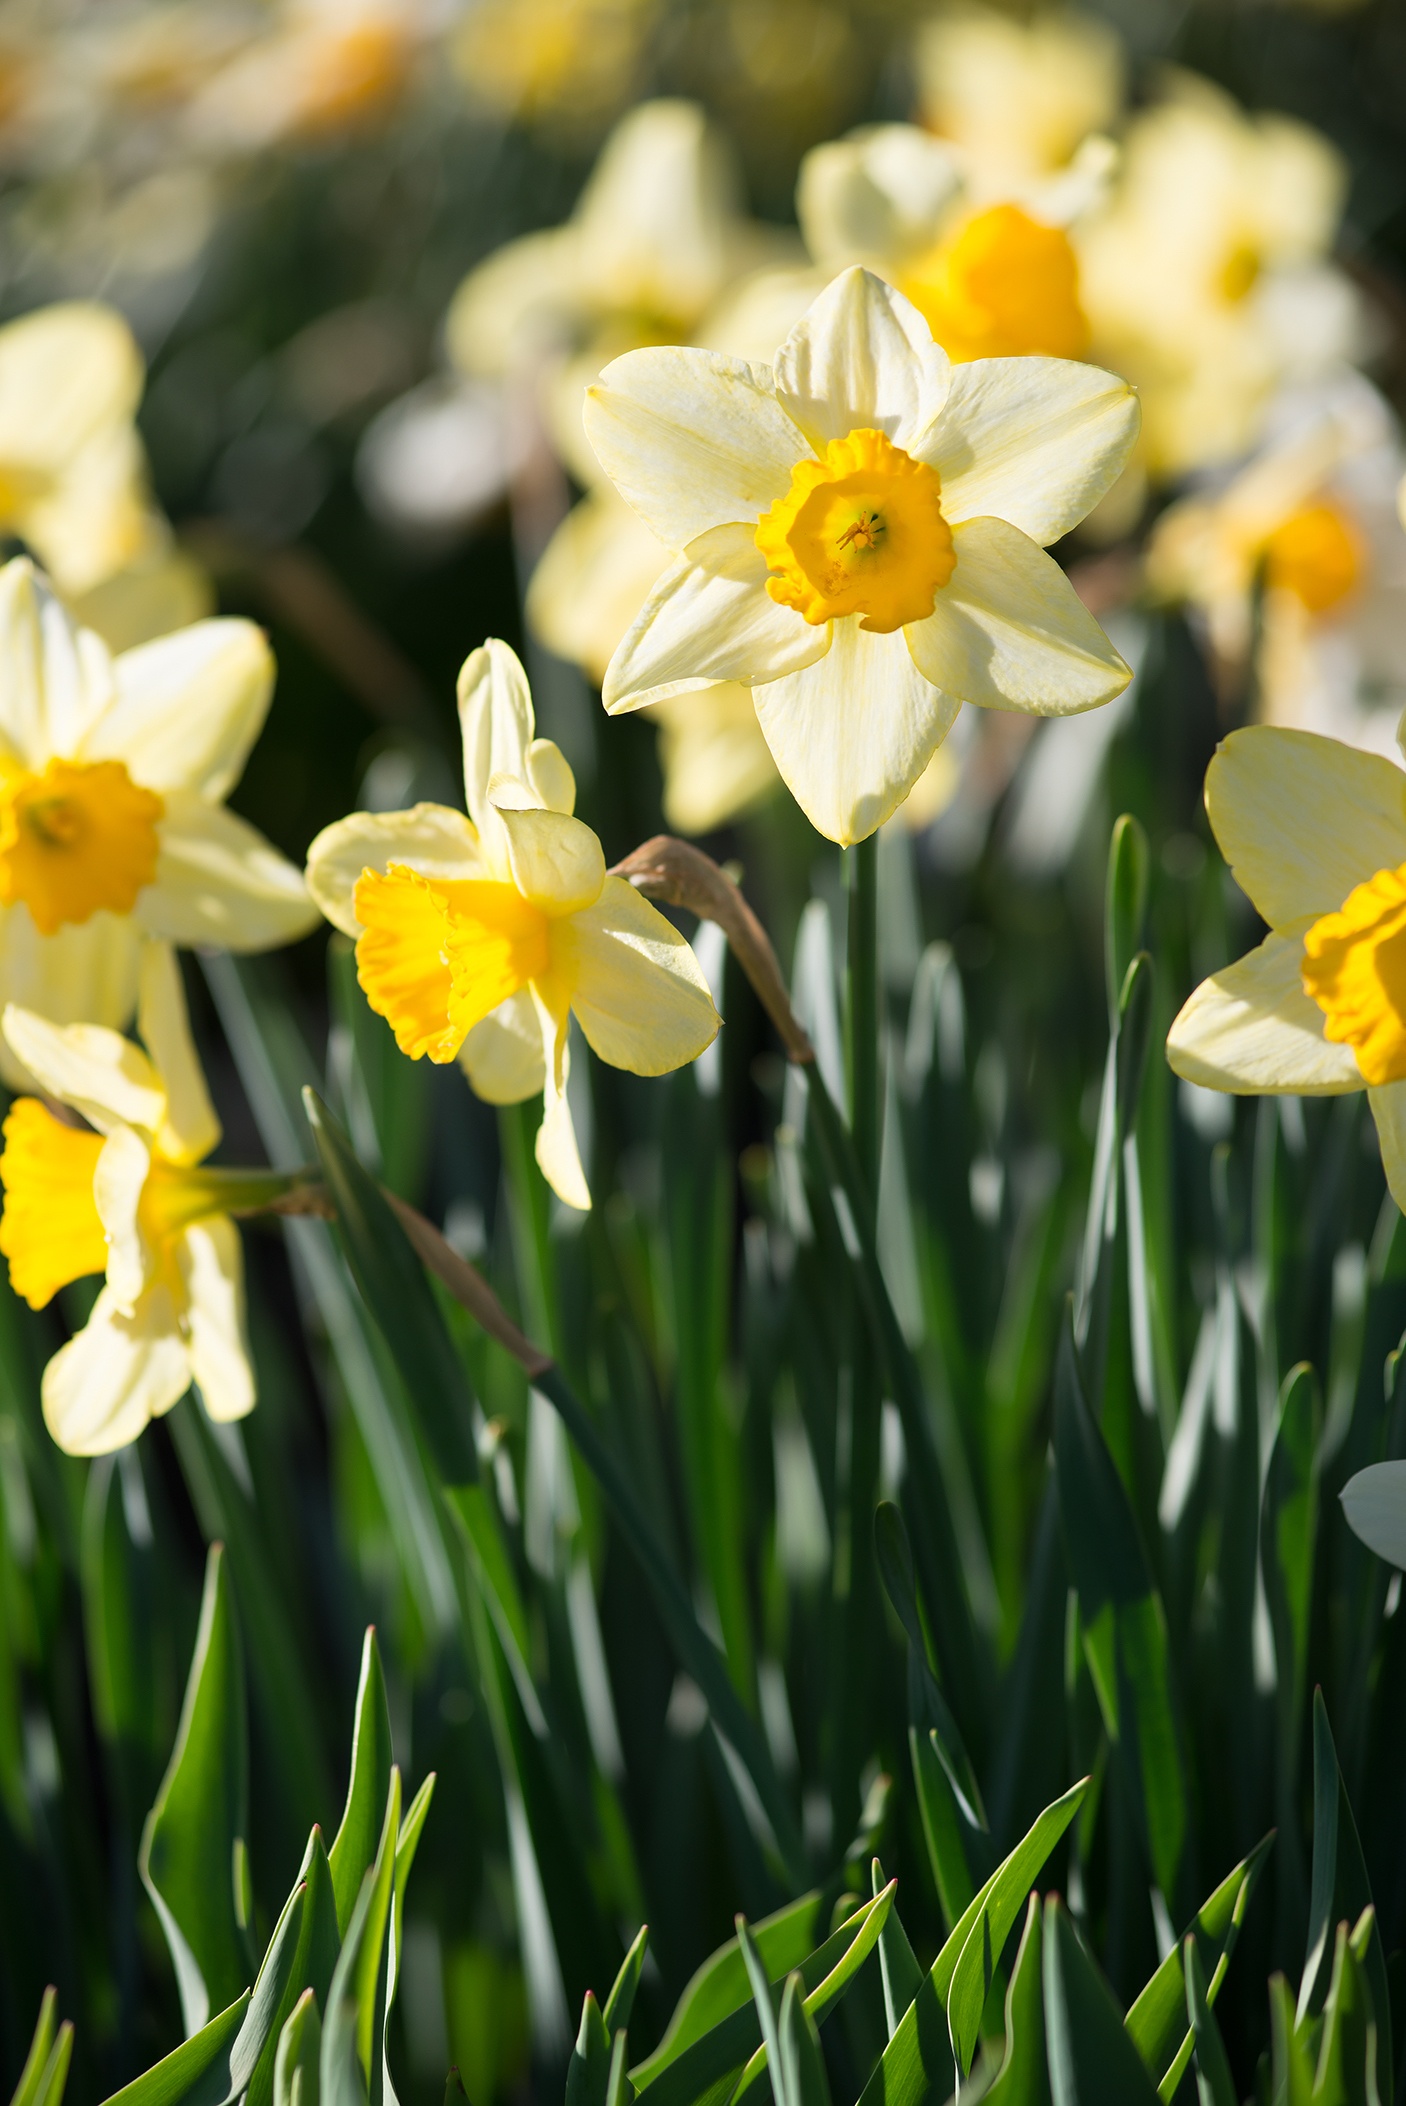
(218, 881)
(187, 708)
(691, 439)
(1009, 631)
(1252, 1030)
(1303, 820)
(638, 991)
(118, 1181)
(190, 1128)
(710, 618)
(100, 1073)
(67, 372)
(119, 1371)
(86, 973)
(496, 722)
(1374, 1504)
(58, 678)
(431, 838)
(558, 1157)
(502, 1055)
(211, 1261)
(550, 774)
(852, 733)
(557, 862)
(1389, 1110)
(862, 357)
(1036, 441)
(716, 762)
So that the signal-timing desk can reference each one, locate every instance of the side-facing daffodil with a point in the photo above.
(1315, 833)
(113, 774)
(858, 535)
(128, 1195)
(479, 938)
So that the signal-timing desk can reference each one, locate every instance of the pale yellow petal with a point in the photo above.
(502, 1055)
(86, 973)
(496, 722)
(431, 838)
(96, 518)
(550, 775)
(862, 356)
(1009, 631)
(58, 679)
(638, 992)
(187, 708)
(1252, 1030)
(558, 1157)
(557, 862)
(97, 1071)
(163, 590)
(211, 1261)
(876, 196)
(716, 763)
(120, 1370)
(1036, 441)
(118, 1182)
(503, 310)
(852, 733)
(66, 373)
(691, 439)
(218, 881)
(593, 578)
(1303, 820)
(710, 617)
(190, 1128)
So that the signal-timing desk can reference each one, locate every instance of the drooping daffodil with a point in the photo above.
(113, 827)
(129, 1195)
(859, 536)
(479, 938)
(1315, 833)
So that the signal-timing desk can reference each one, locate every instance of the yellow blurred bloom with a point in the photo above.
(72, 473)
(567, 61)
(479, 938)
(113, 775)
(1017, 99)
(130, 1200)
(1206, 281)
(714, 454)
(322, 68)
(1315, 833)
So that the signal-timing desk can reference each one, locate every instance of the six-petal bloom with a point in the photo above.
(129, 1199)
(859, 534)
(479, 938)
(113, 774)
(1315, 833)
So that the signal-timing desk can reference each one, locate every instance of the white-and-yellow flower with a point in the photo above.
(1206, 281)
(858, 535)
(113, 774)
(129, 1199)
(1301, 557)
(479, 938)
(1315, 833)
(72, 472)
(656, 236)
(1017, 99)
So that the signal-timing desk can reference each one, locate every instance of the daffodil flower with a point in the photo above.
(132, 1199)
(1315, 833)
(858, 535)
(112, 823)
(72, 471)
(479, 938)
(1017, 99)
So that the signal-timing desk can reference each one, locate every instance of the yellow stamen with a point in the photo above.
(859, 532)
(436, 956)
(78, 837)
(1318, 555)
(1002, 286)
(50, 1229)
(1354, 968)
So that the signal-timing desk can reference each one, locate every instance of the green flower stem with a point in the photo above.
(862, 1008)
(243, 1192)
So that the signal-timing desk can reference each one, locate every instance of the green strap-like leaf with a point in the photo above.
(354, 1845)
(865, 1927)
(800, 2067)
(1214, 2084)
(295, 2069)
(302, 1955)
(187, 1857)
(1024, 2077)
(45, 2071)
(197, 2074)
(621, 2000)
(902, 1975)
(1156, 2024)
(588, 2072)
(1340, 1892)
(1092, 2061)
(350, 2074)
(719, 1987)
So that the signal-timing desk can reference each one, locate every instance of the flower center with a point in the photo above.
(1239, 272)
(50, 1229)
(1354, 967)
(78, 837)
(859, 532)
(436, 956)
(1318, 555)
(1002, 286)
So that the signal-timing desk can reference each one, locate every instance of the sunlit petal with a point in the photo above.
(1252, 1030)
